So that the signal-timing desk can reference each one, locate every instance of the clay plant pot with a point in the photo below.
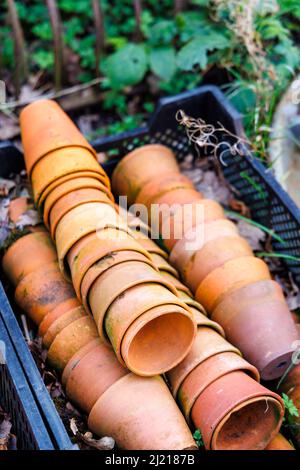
(251, 319)
(17, 207)
(230, 276)
(207, 343)
(58, 325)
(213, 255)
(61, 163)
(41, 291)
(45, 127)
(149, 244)
(134, 223)
(71, 186)
(115, 281)
(181, 288)
(72, 200)
(19, 261)
(139, 167)
(70, 340)
(203, 320)
(92, 248)
(237, 413)
(206, 373)
(279, 442)
(162, 264)
(137, 304)
(90, 372)
(132, 401)
(177, 196)
(56, 313)
(191, 302)
(81, 221)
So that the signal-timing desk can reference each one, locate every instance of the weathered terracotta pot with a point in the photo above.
(178, 196)
(150, 245)
(56, 313)
(213, 255)
(45, 127)
(41, 291)
(162, 264)
(206, 373)
(207, 343)
(130, 403)
(72, 200)
(139, 167)
(158, 340)
(132, 305)
(81, 221)
(176, 283)
(61, 163)
(90, 373)
(17, 207)
(251, 316)
(58, 325)
(230, 276)
(19, 261)
(115, 281)
(94, 247)
(135, 223)
(70, 340)
(203, 320)
(279, 442)
(191, 302)
(237, 413)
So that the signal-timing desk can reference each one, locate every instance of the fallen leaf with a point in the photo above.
(6, 186)
(73, 426)
(9, 127)
(254, 235)
(30, 217)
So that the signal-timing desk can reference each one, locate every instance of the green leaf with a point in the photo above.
(127, 66)
(162, 32)
(194, 53)
(44, 59)
(163, 62)
(43, 31)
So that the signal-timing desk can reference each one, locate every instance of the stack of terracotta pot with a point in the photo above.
(138, 412)
(110, 271)
(215, 262)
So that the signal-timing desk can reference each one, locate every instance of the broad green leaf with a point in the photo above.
(163, 62)
(127, 66)
(195, 51)
(162, 32)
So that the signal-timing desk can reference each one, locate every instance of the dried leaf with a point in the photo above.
(254, 235)
(9, 127)
(73, 426)
(6, 186)
(30, 217)
(105, 443)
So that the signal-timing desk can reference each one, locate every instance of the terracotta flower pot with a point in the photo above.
(134, 223)
(178, 196)
(41, 291)
(140, 166)
(203, 375)
(19, 261)
(230, 276)
(176, 283)
(56, 313)
(115, 281)
(45, 127)
(162, 264)
(237, 413)
(17, 207)
(70, 340)
(207, 343)
(213, 255)
(134, 304)
(202, 320)
(123, 410)
(58, 325)
(72, 187)
(72, 200)
(149, 245)
(89, 373)
(254, 315)
(191, 302)
(61, 163)
(279, 442)
(81, 221)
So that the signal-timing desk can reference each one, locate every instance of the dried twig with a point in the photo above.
(58, 42)
(100, 33)
(138, 18)
(179, 5)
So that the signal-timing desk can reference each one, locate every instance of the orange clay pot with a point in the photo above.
(237, 413)
(177, 196)
(203, 375)
(94, 247)
(72, 200)
(41, 291)
(232, 275)
(186, 298)
(158, 340)
(176, 283)
(213, 255)
(17, 207)
(45, 127)
(132, 305)
(115, 281)
(149, 245)
(56, 313)
(161, 185)
(19, 261)
(88, 375)
(70, 340)
(62, 322)
(202, 320)
(139, 167)
(162, 264)
(251, 316)
(196, 238)
(81, 221)
(279, 443)
(122, 411)
(61, 163)
(70, 187)
(207, 343)
(134, 223)
(71, 177)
